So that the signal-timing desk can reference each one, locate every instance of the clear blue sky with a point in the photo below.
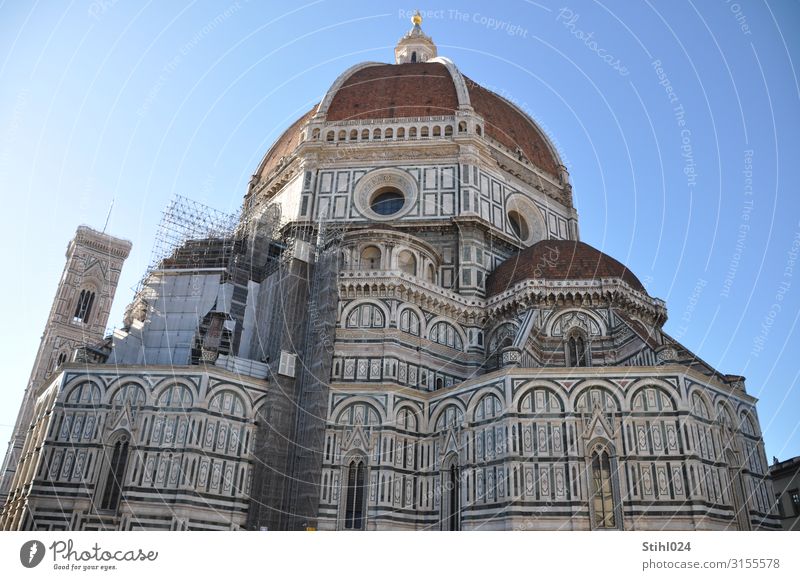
(137, 101)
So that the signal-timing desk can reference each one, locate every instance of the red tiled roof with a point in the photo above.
(558, 260)
(285, 144)
(421, 90)
(390, 91)
(507, 125)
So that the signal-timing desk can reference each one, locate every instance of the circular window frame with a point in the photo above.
(522, 224)
(378, 181)
(531, 216)
(384, 190)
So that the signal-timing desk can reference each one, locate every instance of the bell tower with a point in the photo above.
(77, 318)
(415, 46)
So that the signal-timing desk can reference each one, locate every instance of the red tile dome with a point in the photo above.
(374, 91)
(423, 89)
(558, 260)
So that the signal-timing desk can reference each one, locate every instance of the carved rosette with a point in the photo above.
(510, 356)
(666, 355)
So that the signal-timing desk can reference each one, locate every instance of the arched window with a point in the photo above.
(344, 260)
(409, 322)
(412, 133)
(699, 406)
(370, 258)
(423, 132)
(446, 334)
(430, 274)
(451, 492)
(389, 133)
(354, 495)
(387, 201)
(342, 135)
(448, 131)
(437, 131)
(518, 225)
(365, 316)
(406, 420)
(365, 135)
(329, 136)
(736, 492)
(62, 358)
(407, 263)
(112, 490)
(84, 394)
(128, 395)
(597, 399)
(576, 351)
(450, 418)
(228, 403)
(176, 397)
(401, 133)
(462, 127)
(414, 56)
(354, 135)
(488, 407)
(358, 414)
(747, 425)
(602, 498)
(376, 134)
(83, 309)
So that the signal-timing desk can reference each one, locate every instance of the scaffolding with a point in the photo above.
(296, 264)
(190, 234)
(312, 382)
(187, 220)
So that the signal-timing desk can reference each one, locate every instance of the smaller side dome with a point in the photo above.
(558, 260)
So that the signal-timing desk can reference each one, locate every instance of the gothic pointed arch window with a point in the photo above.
(602, 503)
(450, 508)
(117, 461)
(62, 358)
(355, 478)
(83, 309)
(577, 350)
(736, 493)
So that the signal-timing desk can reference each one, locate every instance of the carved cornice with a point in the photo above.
(581, 293)
(523, 296)
(401, 286)
(102, 242)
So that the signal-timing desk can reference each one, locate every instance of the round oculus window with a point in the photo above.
(387, 202)
(518, 225)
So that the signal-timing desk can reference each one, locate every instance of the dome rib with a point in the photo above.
(284, 145)
(506, 124)
(337, 84)
(374, 91)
